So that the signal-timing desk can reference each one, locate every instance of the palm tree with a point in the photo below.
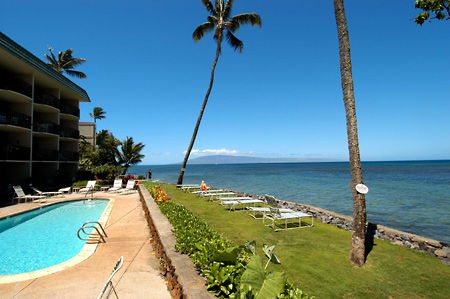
(357, 247)
(130, 153)
(98, 113)
(65, 63)
(221, 20)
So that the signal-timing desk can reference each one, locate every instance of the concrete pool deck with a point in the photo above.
(128, 236)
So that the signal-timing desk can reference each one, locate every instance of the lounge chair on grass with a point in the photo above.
(232, 204)
(129, 187)
(20, 195)
(275, 215)
(89, 187)
(47, 194)
(117, 185)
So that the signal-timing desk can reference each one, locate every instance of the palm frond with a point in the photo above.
(209, 7)
(76, 74)
(247, 18)
(227, 9)
(234, 42)
(201, 30)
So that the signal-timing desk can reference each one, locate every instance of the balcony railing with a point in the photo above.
(69, 133)
(46, 127)
(68, 156)
(11, 152)
(9, 82)
(45, 155)
(47, 99)
(69, 109)
(15, 119)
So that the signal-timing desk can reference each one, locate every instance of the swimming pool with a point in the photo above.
(46, 236)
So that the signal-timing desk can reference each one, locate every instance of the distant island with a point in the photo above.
(227, 159)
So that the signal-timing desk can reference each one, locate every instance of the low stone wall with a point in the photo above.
(414, 242)
(183, 280)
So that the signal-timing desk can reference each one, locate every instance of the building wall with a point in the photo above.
(39, 117)
(88, 130)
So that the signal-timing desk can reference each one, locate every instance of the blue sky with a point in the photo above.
(281, 97)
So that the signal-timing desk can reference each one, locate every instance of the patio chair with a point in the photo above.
(47, 194)
(65, 189)
(19, 194)
(275, 215)
(128, 188)
(243, 202)
(109, 283)
(117, 185)
(89, 186)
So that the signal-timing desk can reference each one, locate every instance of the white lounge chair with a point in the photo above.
(117, 185)
(128, 188)
(242, 202)
(19, 194)
(65, 189)
(89, 186)
(50, 193)
(275, 215)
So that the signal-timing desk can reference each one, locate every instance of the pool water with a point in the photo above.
(45, 237)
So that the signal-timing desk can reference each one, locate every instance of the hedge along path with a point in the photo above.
(316, 259)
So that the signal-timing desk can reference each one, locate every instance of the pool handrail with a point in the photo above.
(93, 227)
(109, 282)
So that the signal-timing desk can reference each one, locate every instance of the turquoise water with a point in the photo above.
(412, 196)
(45, 237)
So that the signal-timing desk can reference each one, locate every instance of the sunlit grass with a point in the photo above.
(316, 259)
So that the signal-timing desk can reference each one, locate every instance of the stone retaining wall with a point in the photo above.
(414, 242)
(183, 280)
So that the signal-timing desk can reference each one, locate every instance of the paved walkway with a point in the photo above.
(128, 236)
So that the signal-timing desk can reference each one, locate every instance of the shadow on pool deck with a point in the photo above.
(128, 236)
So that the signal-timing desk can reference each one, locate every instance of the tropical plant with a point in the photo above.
(159, 195)
(440, 9)
(65, 63)
(357, 246)
(97, 113)
(221, 20)
(130, 153)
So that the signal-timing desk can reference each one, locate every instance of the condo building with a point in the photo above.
(39, 122)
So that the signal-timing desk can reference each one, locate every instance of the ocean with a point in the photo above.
(411, 196)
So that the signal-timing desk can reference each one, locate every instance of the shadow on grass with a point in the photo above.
(370, 234)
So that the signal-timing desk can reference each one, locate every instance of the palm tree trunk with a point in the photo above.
(357, 247)
(199, 119)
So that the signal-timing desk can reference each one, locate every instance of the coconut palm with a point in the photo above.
(65, 63)
(357, 247)
(130, 153)
(97, 113)
(222, 21)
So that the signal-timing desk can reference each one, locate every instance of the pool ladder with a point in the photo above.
(99, 237)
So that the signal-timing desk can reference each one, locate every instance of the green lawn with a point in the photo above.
(316, 258)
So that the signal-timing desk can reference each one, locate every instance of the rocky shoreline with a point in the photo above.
(417, 243)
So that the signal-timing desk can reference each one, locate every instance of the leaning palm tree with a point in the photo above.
(65, 63)
(97, 113)
(220, 20)
(357, 247)
(130, 153)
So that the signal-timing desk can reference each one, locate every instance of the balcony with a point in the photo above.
(45, 155)
(8, 82)
(69, 133)
(47, 99)
(11, 152)
(68, 156)
(46, 127)
(69, 109)
(15, 119)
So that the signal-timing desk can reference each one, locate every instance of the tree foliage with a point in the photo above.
(97, 113)
(130, 153)
(65, 63)
(432, 9)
